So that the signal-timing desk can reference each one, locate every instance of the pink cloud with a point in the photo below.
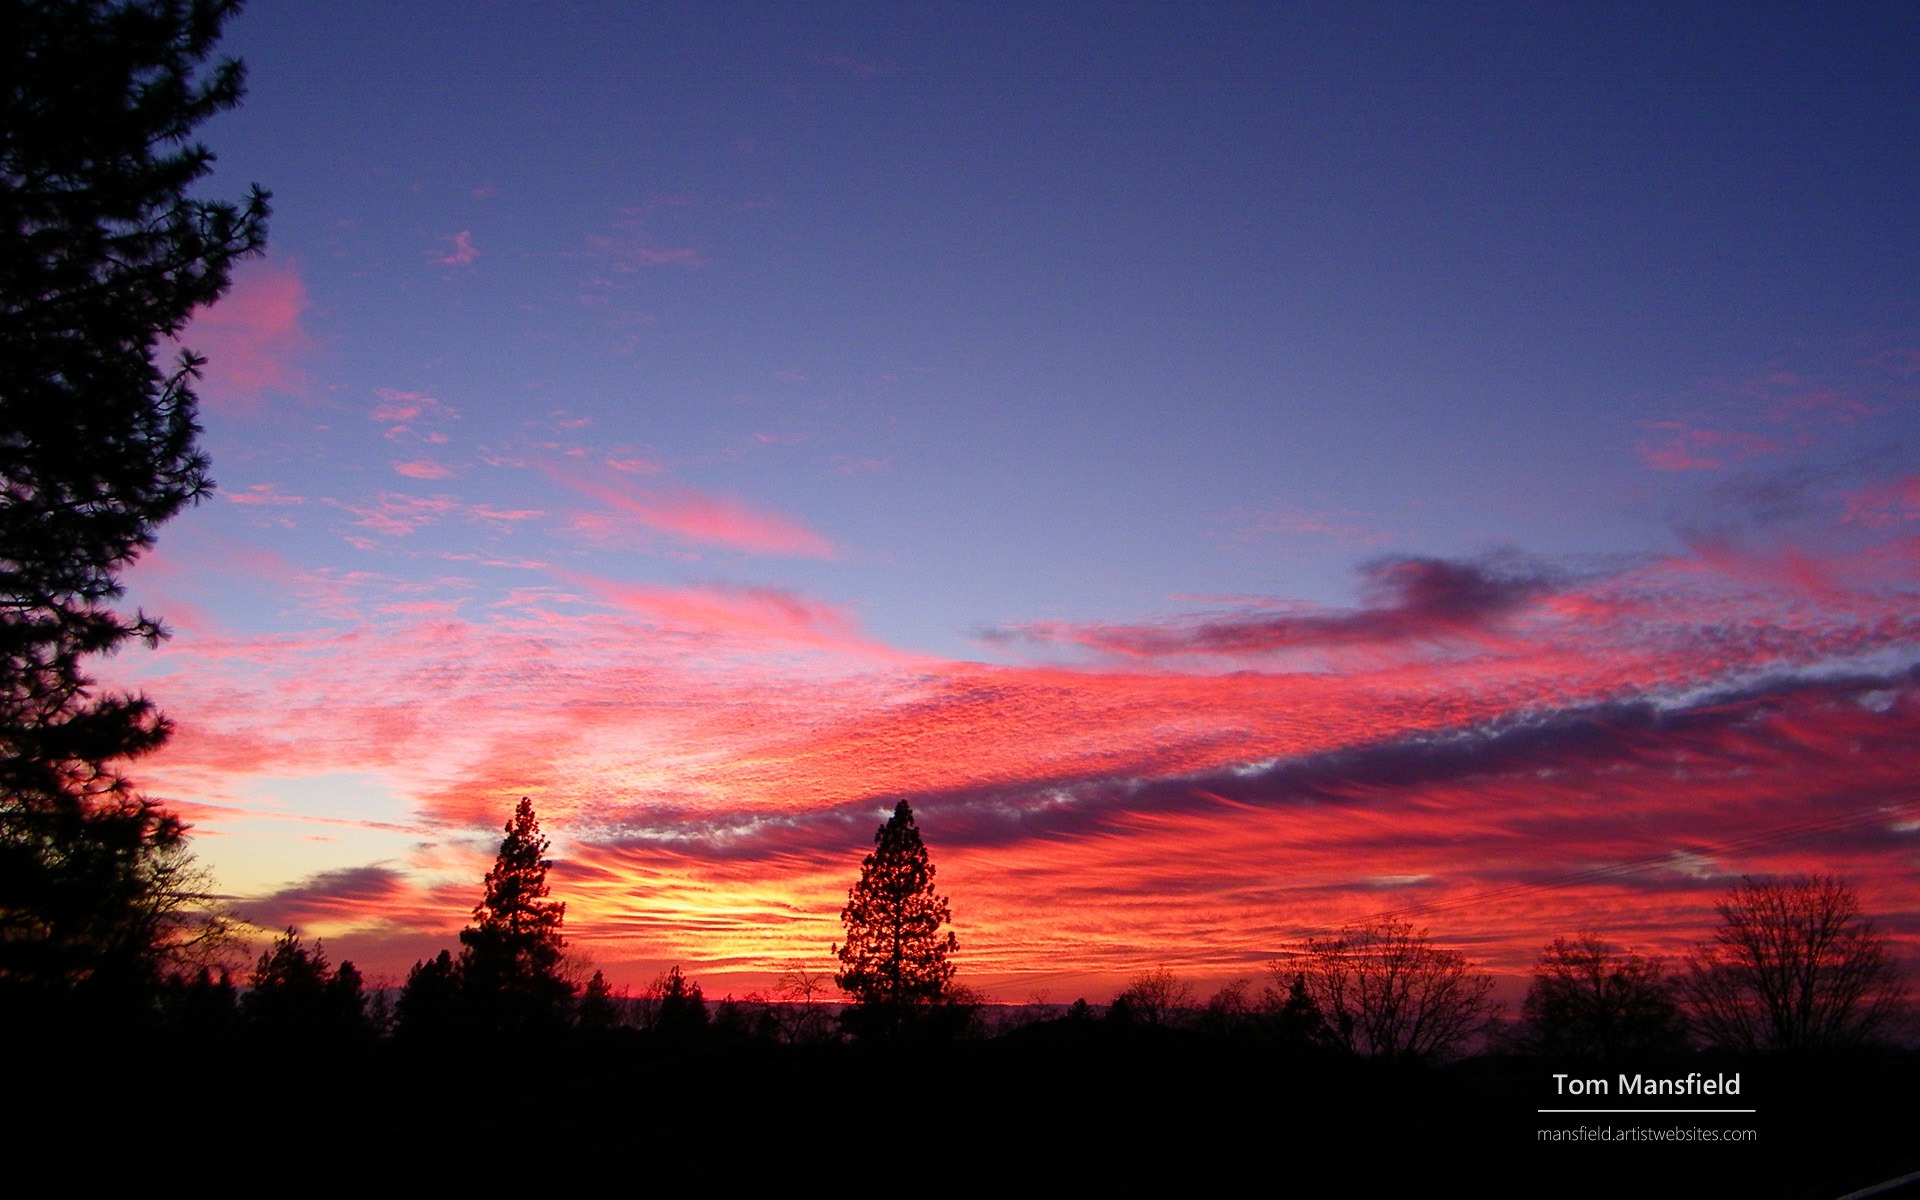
(1674, 458)
(1886, 504)
(264, 493)
(165, 583)
(631, 247)
(488, 512)
(696, 516)
(754, 613)
(1766, 412)
(1339, 526)
(421, 608)
(403, 413)
(1677, 446)
(252, 338)
(463, 251)
(396, 514)
(422, 468)
(398, 406)
(1097, 766)
(1789, 397)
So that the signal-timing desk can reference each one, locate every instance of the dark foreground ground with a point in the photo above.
(1053, 1108)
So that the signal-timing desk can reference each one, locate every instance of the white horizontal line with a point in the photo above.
(1647, 1110)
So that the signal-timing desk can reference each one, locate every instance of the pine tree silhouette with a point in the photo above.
(510, 964)
(108, 250)
(894, 961)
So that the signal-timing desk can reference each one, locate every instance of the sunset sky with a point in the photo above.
(1235, 469)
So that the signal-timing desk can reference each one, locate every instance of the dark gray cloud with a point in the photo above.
(1402, 600)
(359, 891)
(1767, 504)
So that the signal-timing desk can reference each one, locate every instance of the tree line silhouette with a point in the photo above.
(1793, 967)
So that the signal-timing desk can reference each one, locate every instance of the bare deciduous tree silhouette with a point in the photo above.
(1386, 991)
(1794, 966)
(1156, 997)
(1591, 999)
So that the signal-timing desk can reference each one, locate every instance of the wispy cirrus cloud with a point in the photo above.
(1823, 531)
(634, 465)
(264, 494)
(741, 614)
(1740, 420)
(408, 415)
(631, 246)
(691, 515)
(1789, 397)
(421, 608)
(752, 612)
(253, 338)
(395, 514)
(1885, 505)
(1342, 527)
(1676, 446)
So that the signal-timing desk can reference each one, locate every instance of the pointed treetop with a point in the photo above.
(517, 886)
(899, 827)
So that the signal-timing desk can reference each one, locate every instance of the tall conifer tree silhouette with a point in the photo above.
(895, 960)
(510, 964)
(106, 249)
